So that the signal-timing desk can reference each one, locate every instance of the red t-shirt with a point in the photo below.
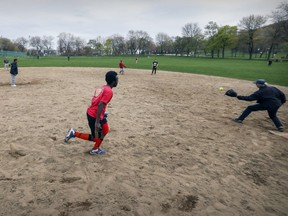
(121, 65)
(103, 94)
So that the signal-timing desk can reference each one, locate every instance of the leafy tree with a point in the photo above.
(6, 44)
(179, 46)
(225, 37)
(96, 45)
(108, 46)
(211, 30)
(250, 25)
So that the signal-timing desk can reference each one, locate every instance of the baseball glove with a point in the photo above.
(231, 93)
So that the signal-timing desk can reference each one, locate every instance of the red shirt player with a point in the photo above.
(97, 116)
(121, 66)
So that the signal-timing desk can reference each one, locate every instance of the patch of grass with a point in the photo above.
(231, 68)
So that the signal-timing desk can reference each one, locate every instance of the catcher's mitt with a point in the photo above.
(231, 93)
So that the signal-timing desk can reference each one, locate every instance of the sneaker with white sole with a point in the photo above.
(97, 151)
(237, 120)
(71, 134)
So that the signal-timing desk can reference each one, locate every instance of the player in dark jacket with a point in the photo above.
(154, 67)
(13, 72)
(268, 98)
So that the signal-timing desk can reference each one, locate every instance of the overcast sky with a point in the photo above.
(91, 18)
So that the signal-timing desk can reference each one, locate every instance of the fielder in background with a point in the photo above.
(268, 98)
(97, 116)
(14, 72)
(121, 66)
(6, 63)
(154, 67)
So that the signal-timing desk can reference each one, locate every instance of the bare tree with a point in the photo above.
(144, 41)
(132, 42)
(250, 25)
(36, 43)
(192, 34)
(47, 42)
(164, 43)
(138, 41)
(66, 43)
(277, 32)
(118, 45)
(79, 45)
(21, 43)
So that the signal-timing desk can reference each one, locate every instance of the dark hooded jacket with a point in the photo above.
(14, 68)
(268, 96)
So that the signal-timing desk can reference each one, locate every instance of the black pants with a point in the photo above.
(154, 70)
(257, 107)
(91, 122)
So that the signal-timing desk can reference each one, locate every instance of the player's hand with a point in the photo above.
(98, 127)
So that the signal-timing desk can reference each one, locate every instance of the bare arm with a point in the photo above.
(98, 114)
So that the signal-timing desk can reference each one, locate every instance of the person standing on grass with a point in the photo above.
(6, 63)
(97, 116)
(14, 72)
(121, 66)
(154, 67)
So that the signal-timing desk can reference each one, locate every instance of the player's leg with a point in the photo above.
(273, 116)
(13, 80)
(98, 141)
(247, 112)
(72, 133)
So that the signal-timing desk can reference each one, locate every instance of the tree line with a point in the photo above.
(251, 36)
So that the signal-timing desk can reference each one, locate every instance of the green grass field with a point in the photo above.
(232, 68)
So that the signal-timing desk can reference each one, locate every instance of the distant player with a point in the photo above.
(121, 66)
(96, 115)
(6, 63)
(13, 72)
(154, 67)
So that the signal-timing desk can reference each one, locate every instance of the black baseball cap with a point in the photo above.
(260, 81)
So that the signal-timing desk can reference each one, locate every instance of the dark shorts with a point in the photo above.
(91, 122)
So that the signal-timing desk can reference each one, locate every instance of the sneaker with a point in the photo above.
(13, 85)
(97, 151)
(281, 129)
(237, 120)
(70, 135)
